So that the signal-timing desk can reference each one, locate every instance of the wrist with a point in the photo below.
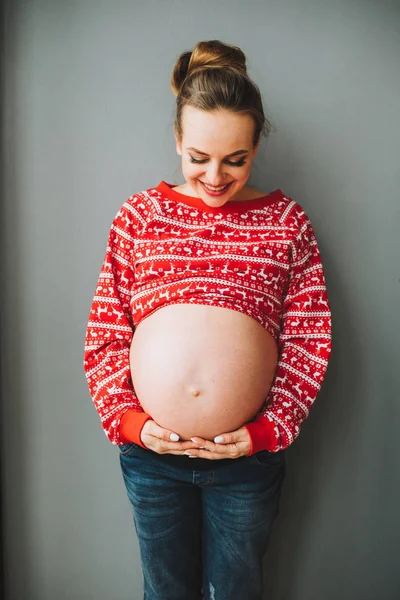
(262, 435)
(131, 425)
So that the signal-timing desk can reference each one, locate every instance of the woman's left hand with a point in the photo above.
(228, 445)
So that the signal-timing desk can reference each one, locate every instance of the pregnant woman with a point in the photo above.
(207, 342)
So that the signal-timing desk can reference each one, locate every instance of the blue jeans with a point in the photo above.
(203, 526)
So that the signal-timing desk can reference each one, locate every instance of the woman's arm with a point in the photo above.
(305, 347)
(109, 334)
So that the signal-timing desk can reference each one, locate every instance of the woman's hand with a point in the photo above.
(159, 440)
(229, 445)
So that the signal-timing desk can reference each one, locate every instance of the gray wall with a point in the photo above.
(88, 121)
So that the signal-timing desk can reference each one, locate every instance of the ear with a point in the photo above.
(178, 144)
(256, 148)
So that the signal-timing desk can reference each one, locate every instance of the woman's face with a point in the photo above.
(214, 138)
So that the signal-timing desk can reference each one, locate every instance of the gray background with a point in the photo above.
(87, 121)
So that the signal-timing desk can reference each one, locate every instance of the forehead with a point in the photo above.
(219, 130)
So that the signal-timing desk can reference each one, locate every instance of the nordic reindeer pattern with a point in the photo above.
(263, 261)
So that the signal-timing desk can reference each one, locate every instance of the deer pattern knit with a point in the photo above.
(259, 257)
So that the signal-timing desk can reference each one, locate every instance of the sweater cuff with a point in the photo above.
(131, 425)
(262, 434)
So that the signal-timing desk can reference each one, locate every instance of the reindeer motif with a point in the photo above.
(244, 273)
(125, 280)
(159, 230)
(100, 311)
(170, 272)
(164, 295)
(183, 290)
(274, 280)
(281, 379)
(323, 302)
(139, 306)
(127, 221)
(320, 346)
(168, 203)
(297, 388)
(116, 312)
(262, 274)
(225, 270)
(269, 218)
(223, 290)
(308, 303)
(151, 270)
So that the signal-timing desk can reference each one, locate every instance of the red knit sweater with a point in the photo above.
(258, 257)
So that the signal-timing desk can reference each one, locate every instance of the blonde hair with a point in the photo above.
(214, 76)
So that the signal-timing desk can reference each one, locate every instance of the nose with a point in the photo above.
(214, 175)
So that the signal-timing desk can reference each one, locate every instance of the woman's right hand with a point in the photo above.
(158, 439)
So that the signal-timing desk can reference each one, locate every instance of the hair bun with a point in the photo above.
(207, 54)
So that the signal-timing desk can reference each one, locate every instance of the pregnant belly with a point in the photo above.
(201, 370)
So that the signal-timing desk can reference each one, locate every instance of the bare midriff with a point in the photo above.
(201, 370)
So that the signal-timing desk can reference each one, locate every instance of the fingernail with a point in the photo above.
(174, 437)
(219, 439)
(194, 440)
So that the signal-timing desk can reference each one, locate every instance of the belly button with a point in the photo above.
(194, 391)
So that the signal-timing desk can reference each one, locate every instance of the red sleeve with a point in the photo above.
(304, 349)
(108, 338)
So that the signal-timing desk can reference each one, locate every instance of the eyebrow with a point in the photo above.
(232, 153)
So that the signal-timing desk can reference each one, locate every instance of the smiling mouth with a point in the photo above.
(216, 189)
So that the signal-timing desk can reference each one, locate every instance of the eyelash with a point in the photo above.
(240, 163)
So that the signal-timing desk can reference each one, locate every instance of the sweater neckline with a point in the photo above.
(236, 206)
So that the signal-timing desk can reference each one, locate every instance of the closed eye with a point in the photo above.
(239, 163)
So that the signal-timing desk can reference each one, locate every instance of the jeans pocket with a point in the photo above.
(272, 459)
(127, 449)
